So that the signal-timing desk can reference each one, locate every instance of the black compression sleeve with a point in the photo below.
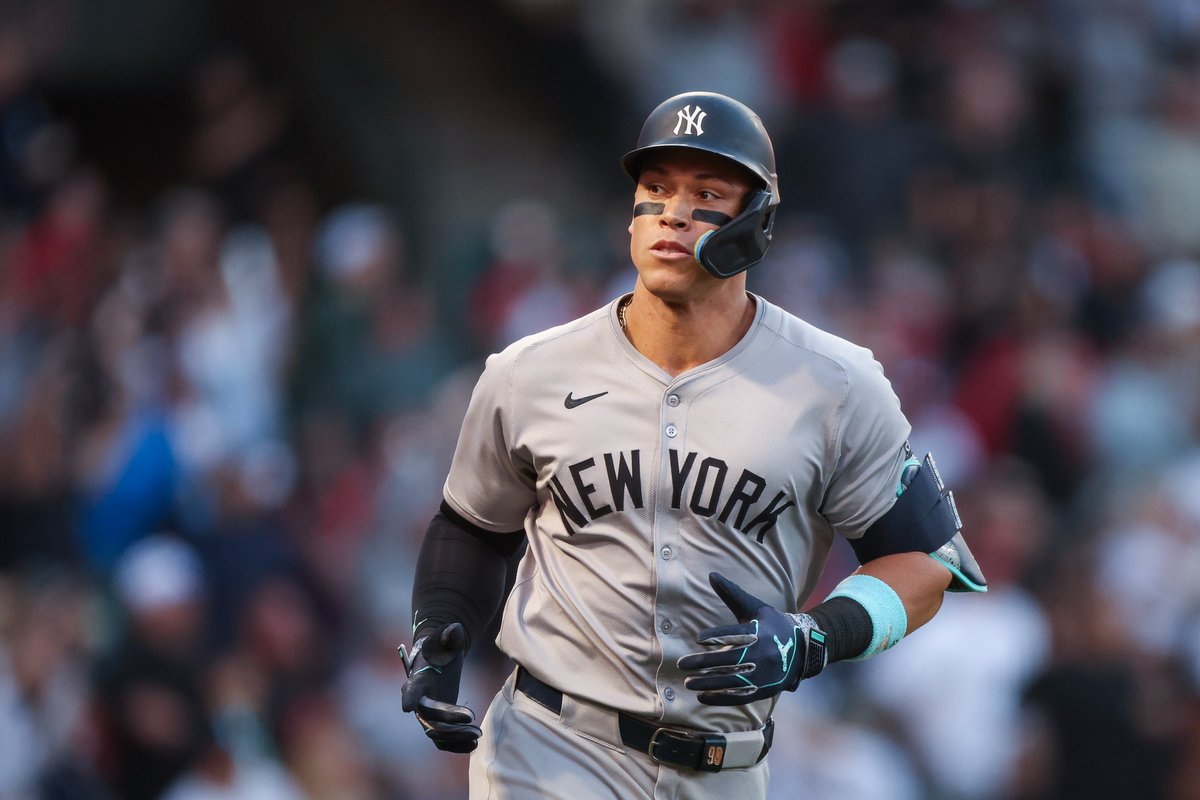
(847, 625)
(460, 574)
(505, 544)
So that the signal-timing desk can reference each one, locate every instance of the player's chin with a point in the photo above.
(673, 279)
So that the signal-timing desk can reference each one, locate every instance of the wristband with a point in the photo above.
(889, 621)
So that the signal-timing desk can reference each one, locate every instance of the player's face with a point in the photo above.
(674, 188)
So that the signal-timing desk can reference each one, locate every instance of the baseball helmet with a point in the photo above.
(722, 126)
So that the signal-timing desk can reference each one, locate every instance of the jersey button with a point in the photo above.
(666, 626)
(669, 693)
(666, 553)
(672, 431)
(672, 400)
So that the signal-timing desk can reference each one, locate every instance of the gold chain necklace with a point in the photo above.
(621, 310)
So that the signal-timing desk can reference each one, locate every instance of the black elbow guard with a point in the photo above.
(924, 519)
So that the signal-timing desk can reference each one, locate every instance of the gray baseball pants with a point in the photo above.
(530, 753)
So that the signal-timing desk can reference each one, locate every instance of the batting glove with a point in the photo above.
(434, 668)
(767, 652)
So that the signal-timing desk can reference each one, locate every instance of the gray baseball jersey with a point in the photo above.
(632, 485)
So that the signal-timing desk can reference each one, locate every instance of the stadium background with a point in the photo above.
(253, 253)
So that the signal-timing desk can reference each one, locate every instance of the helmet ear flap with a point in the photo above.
(741, 243)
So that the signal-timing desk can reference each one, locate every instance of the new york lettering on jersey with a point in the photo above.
(704, 484)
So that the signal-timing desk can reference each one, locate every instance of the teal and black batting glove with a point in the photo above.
(434, 669)
(767, 652)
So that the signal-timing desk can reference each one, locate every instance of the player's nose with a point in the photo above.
(676, 213)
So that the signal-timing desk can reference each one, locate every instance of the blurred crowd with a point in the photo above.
(226, 414)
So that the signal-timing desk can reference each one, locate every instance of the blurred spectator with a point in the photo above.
(800, 32)
(1109, 722)
(43, 680)
(1155, 162)
(664, 48)
(830, 744)
(338, 504)
(231, 340)
(247, 541)
(218, 777)
(1141, 412)
(125, 463)
(1151, 542)
(369, 343)
(523, 289)
(34, 147)
(323, 753)
(288, 208)
(985, 126)
(56, 266)
(854, 155)
(239, 126)
(152, 704)
(953, 689)
(283, 651)
(240, 760)
(35, 478)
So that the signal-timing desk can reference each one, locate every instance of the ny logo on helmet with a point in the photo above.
(694, 120)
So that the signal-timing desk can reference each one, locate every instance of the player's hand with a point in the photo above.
(767, 652)
(434, 668)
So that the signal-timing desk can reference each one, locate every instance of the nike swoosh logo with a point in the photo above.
(572, 402)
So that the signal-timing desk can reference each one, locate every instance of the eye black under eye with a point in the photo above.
(711, 216)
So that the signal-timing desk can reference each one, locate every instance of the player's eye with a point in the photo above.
(707, 196)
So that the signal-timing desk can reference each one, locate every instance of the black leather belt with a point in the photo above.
(696, 750)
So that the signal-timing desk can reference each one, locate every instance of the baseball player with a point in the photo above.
(679, 463)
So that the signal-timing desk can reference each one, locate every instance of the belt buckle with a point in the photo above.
(712, 755)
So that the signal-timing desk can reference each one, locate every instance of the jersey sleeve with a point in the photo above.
(490, 484)
(868, 450)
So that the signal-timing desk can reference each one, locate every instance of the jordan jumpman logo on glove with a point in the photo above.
(749, 661)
